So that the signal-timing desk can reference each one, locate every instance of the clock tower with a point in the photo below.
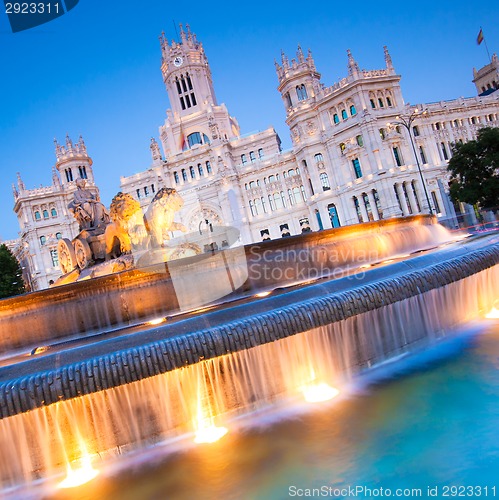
(195, 118)
(186, 74)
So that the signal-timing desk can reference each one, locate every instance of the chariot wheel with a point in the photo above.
(83, 253)
(66, 255)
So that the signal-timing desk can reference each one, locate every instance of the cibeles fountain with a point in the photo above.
(154, 334)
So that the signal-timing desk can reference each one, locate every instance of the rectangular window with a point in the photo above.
(356, 168)
(398, 157)
(260, 153)
(138, 193)
(55, 258)
(422, 154)
(252, 156)
(435, 202)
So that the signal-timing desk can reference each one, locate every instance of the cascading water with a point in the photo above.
(206, 396)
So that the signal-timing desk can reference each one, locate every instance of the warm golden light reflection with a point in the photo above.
(39, 350)
(493, 313)
(262, 294)
(316, 393)
(78, 473)
(210, 434)
(156, 321)
(387, 261)
(365, 266)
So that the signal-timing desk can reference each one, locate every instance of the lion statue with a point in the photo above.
(127, 228)
(158, 218)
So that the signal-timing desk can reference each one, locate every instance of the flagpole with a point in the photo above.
(485, 42)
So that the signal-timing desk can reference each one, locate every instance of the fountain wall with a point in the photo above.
(82, 309)
(176, 386)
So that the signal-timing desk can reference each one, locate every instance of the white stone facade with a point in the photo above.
(44, 217)
(351, 159)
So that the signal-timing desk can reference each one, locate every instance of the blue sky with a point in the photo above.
(95, 71)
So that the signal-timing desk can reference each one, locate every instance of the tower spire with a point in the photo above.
(353, 67)
(299, 55)
(388, 60)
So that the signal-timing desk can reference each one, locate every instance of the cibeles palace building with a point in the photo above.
(351, 160)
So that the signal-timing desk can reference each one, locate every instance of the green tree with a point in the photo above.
(474, 169)
(11, 281)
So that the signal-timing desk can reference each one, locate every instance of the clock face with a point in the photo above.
(178, 61)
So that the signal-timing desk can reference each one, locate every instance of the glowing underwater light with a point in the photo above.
(156, 321)
(316, 393)
(210, 434)
(79, 473)
(493, 314)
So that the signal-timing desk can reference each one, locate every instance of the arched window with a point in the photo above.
(357, 209)
(45, 214)
(353, 111)
(43, 240)
(194, 138)
(146, 191)
(271, 203)
(378, 204)
(192, 172)
(415, 131)
(382, 133)
(252, 156)
(260, 153)
(263, 204)
(297, 194)
(344, 115)
(184, 175)
(324, 181)
(53, 212)
(333, 215)
(367, 204)
(58, 236)
(69, 174)
(356, 168)
(82, 171)
(380, 102)
(208, 167)
(415, 193)
(336, 119)
(291, 197)
(360, 140)
(388, 101)
(252, 184)
(304, 195)
(258, 206)
(397, 156)
(278, 201)
(271, 178)
(373, 104)
(288, 100)
(318, 157)
(244, 160)
(55, 257)
(252, 208)
(200, 170)
(175, 176)
(37, 215)
(301, 92)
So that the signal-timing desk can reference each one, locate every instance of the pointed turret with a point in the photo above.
(20, 183)
(353, 67)
(388, 61)
(155, 152)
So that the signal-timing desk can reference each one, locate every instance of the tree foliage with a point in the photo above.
(474, 169)
(11, 281)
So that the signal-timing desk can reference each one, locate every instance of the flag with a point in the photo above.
(479, 38)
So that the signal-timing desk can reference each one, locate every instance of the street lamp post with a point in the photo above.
(406, 121)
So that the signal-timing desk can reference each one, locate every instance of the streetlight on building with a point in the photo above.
(406, 121)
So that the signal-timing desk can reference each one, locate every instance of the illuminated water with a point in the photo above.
(432, 423)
